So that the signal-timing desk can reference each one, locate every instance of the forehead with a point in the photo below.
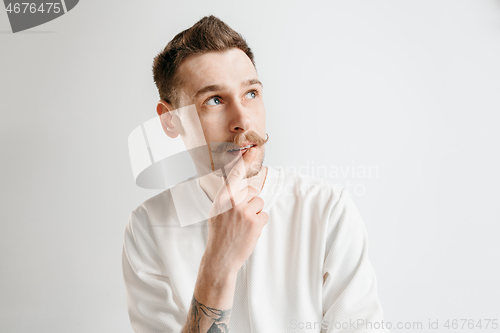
(227, 68)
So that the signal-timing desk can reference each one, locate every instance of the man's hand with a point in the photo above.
(233, 234)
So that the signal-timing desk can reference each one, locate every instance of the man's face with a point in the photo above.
(225, 89)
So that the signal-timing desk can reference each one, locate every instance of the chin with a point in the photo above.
(255, 167)
(253, 172)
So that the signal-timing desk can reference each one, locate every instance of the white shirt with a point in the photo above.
(309, 271)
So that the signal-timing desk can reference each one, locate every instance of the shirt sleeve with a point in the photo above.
(350, 300)
(151, 304)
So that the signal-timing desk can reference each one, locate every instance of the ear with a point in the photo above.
(163, 109)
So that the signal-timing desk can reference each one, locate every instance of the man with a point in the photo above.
(276, 252)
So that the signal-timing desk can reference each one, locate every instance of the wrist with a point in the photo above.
(218, 271)
(215, 285)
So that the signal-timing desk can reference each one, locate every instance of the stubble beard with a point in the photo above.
(252, 170)
(218, 157)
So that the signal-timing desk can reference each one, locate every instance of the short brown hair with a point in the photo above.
(207, 35)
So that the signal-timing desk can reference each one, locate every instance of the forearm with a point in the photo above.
(210, 309)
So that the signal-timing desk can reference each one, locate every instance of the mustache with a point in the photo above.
(239, 139)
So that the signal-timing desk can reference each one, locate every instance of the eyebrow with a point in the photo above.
(218, 87)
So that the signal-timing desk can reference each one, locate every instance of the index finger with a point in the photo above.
(235, 180)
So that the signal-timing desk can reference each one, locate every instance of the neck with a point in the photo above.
(212, 183)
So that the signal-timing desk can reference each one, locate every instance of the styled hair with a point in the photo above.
(207, 35)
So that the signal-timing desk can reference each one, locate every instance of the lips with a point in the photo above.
(243, 147)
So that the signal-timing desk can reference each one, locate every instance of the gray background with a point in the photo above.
(408, 87)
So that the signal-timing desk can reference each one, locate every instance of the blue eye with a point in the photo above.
(215, 99)
(252, 93)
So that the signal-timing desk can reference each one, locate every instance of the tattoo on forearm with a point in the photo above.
(202, 317)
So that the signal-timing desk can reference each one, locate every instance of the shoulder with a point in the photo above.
(158, 209)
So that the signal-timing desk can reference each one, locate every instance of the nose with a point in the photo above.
(240, 120)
